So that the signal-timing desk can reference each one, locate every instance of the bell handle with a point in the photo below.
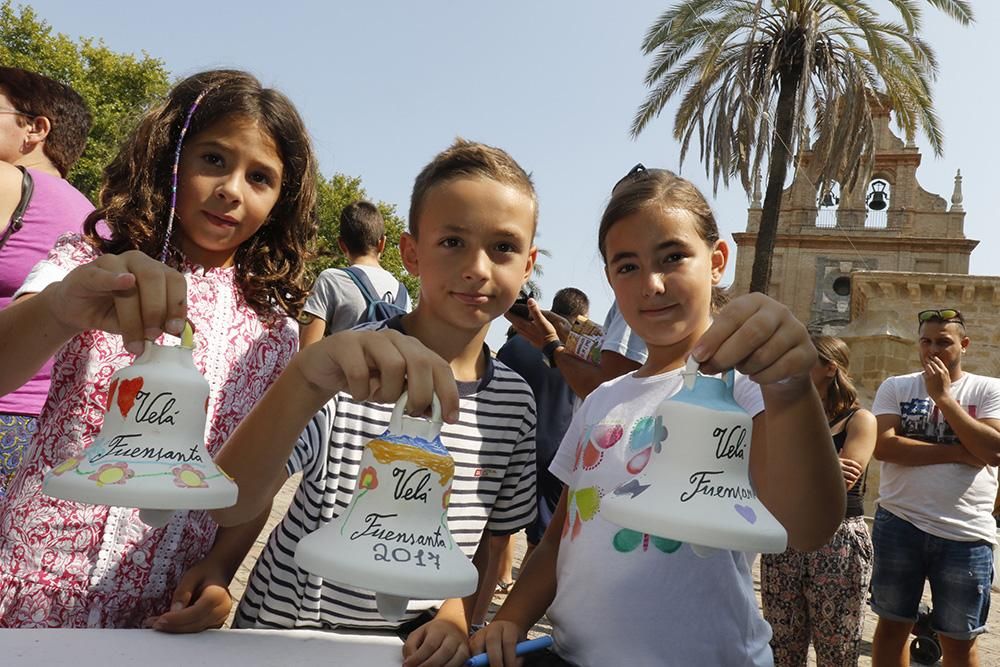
(421, 427)
(691, 373)
(186, 336)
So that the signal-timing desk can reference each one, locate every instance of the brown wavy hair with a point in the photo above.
(642, 188)
(134, 199)
(841, 394)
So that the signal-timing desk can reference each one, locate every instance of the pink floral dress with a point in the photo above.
(66, 564)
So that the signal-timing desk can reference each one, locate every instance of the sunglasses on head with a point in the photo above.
(944, 315)
(634, 172)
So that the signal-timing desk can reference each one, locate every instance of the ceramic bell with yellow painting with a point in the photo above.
(693, 484)
(151, 451)
(393, 538)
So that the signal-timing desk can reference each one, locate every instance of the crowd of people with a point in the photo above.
(206, 214)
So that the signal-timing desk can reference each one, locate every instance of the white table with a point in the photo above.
(213, 648)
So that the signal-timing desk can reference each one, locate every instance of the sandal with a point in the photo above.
(503, 587)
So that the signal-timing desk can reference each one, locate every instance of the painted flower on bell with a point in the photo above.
(112, 473)
(67, 465)
(368, 479)
(187, 477)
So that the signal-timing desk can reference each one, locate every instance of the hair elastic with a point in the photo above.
(177, 162)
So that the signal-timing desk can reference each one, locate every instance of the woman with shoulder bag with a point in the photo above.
(43, 131)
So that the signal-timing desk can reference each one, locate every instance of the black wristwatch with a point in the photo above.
(549, 352)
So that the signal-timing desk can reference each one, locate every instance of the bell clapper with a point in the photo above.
(392, 607)
(701, 551)
(155, 518)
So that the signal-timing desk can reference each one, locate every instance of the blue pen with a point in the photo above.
(482, 660)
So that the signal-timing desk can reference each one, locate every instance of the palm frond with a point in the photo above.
(723, 62)
(752, 78)
(960, 10)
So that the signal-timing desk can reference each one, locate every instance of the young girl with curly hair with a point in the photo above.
(218, 183)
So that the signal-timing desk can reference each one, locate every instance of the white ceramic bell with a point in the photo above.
(393, 538)
(151, 451)
(696, 486)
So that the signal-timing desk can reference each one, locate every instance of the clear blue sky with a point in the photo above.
(384, 85)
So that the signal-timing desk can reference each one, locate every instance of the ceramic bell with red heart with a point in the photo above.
(393, 538)
(150, 453)
(696, 486)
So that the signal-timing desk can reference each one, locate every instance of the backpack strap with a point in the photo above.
(363, 283)
(17, 217)
(402, 297)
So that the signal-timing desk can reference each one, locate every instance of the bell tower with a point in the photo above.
(888, 222)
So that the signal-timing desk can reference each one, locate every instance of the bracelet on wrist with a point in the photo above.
(549, 352)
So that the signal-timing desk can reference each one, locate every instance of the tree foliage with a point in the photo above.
(753, 77)
(333, 195)
(116, 86)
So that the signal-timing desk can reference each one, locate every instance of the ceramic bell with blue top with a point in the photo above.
(696, 486)
(393, 538)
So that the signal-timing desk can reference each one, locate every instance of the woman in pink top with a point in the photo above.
(43, 129)
(233, 264)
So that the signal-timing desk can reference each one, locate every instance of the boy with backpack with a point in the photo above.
(364, 291)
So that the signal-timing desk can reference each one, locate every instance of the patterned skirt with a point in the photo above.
(16, 432)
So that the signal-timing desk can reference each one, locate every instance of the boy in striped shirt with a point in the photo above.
(471, 241)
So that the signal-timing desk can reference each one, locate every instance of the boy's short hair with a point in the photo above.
(35, 95)
(570, 303)
(465, 159)
(361, 227)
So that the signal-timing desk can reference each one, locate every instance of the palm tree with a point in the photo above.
(532, 285)
(752, 78)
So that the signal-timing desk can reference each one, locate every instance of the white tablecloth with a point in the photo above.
(214, 648)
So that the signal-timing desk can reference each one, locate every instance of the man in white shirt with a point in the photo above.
(336, 302)
(939, 444)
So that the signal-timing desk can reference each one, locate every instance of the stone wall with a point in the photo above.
(808, 261)
(884, 307)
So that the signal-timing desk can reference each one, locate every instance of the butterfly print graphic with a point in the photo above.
(647, 437)
(581, 505)
(626, 540)
(597, 439)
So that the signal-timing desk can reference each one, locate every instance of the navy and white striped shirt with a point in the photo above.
(493, 445)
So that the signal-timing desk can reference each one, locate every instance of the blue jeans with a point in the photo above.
(960, 574)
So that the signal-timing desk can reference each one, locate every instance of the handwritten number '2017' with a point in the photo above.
(404, 555)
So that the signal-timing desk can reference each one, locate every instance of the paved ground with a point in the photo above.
(989, 644)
